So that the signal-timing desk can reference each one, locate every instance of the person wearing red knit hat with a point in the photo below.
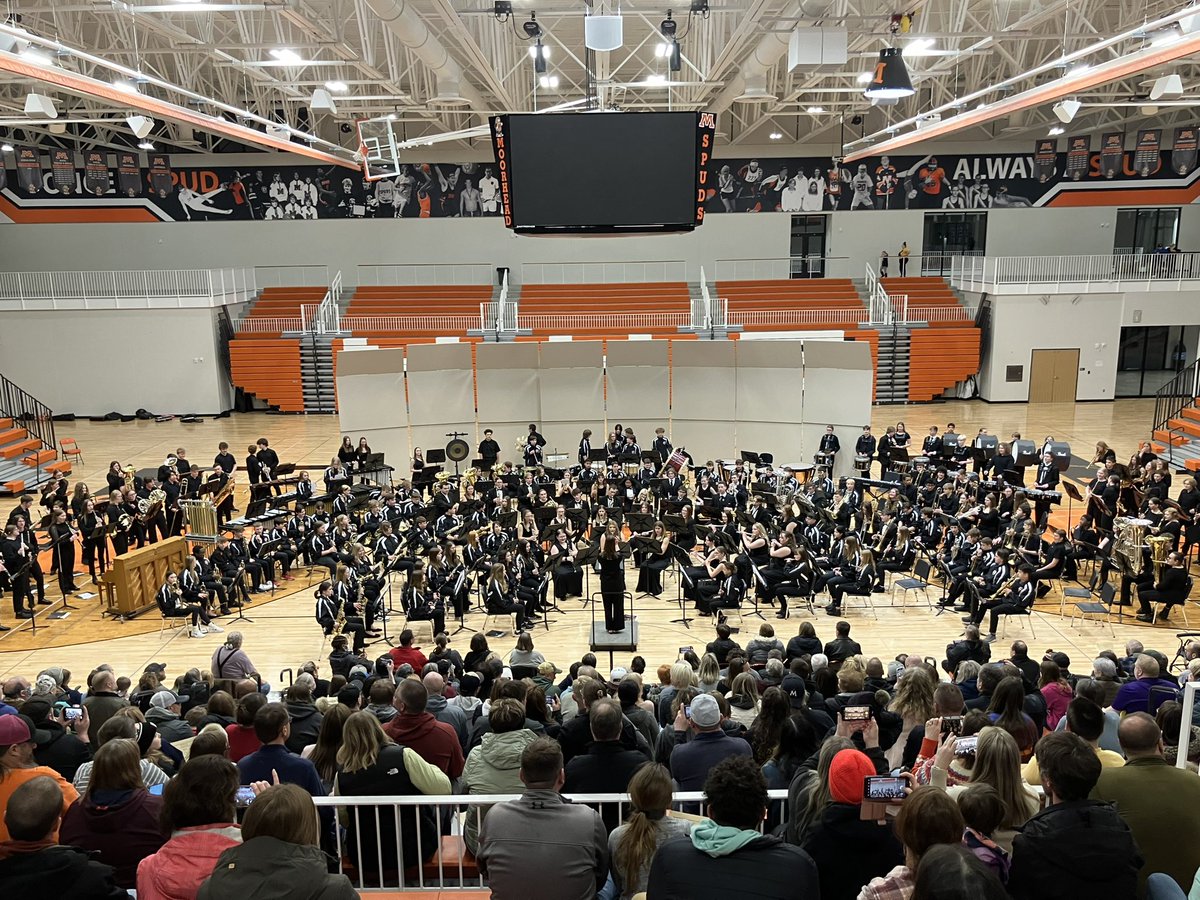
(849, 851)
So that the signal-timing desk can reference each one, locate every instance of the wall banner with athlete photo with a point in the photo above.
(1112, 153)
(1183, 153)
(1079, 153)
(1147, 156)
(1045, 159)
(164, 188)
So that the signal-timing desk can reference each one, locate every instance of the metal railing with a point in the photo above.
(374, 864)
(611, 272)
(702, 318)
(448, 325)
(424, 273)
(323, 317)
(27, 412)
(879, 304)
(939, 313)
(136, 289)
(593, 321)
(850, 315)
(269, 324)
(1175, 396)
(1116, 272)
(505, 319)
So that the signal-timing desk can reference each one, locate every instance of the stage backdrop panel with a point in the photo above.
(837, 391)
(769, 388)
(572, 395)
(638, 383)
(371, 403)
(441, 394)
(704, 398)
(506, 389)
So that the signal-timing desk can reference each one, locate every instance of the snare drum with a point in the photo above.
(862, 462)
(822, 458)
(920, 460)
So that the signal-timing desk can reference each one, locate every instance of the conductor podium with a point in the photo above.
(132, 581)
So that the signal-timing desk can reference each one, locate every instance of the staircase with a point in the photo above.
(892, 364)
(1176, 429)
(28, 457)
(316, 371)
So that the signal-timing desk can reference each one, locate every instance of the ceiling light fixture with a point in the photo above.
(531, 28)
(145, 145)
(287, 56)
(127, 86)
(864, 77)
(815, 110)
(661, 50)
(540, 54)
(775, 136)
(890, 79)
(918, 47)
(6, 148)
(548, 82)
(1056, 130)
(674, 57)
(656, 80)
(338, 87)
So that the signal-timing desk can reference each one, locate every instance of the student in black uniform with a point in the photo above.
(1046, 480)
(489, 450)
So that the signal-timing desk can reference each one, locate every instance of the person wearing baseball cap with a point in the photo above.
(164, 712)
(707, 745)
(17, 766)
(875, 849)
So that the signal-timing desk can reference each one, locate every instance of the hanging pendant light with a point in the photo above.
(890, 79)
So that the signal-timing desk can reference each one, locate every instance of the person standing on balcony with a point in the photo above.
(903, 256)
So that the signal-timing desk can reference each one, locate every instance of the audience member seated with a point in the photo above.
(541, 838)
(306, 718)
(1075, 847)
(953, 873)
(145, 735)
(707, 744)
(725, 855)
(1134, 695)
(370, 764)
(970, 647)
(632, 845)
(200, 815)
(494, 767)
(33, 864)
(1085, 719)
(1156, 800)
(279, 855)
(17, 765)
(415, 727)
(927, 818)
(61, 744)
(607, 766)
(116, 817)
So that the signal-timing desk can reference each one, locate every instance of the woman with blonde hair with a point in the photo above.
(998, 763)
(914, 702)
(279, 854)
(709, 674)
(631, 846)
(371, 764)
(743, 699)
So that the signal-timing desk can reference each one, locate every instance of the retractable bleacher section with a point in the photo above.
(598, 311)
(946, 352)
(397, 315)
(930, 299)
(793, 304)
(262, 361)
(25, 462)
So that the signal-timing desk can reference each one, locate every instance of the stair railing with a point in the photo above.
(1174, 397)
(27, 412)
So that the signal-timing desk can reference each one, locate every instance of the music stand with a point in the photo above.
(1073, 494)
(682, 560)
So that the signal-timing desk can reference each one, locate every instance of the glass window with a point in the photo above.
(950, 234)
(1146, 230)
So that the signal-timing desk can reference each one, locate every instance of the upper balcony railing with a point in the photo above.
(145, 289)
(1098, 274)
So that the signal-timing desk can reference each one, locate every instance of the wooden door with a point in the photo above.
(1053, 376)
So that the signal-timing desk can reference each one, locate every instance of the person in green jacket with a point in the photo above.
(494, 767)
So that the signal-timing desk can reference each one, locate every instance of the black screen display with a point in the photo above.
(602, 171)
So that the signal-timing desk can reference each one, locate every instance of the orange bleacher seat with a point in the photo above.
(1192, 465)
(269, 368)
(12, 451)
(939, 358)
(40, 458)
(16, 486)
(60, 468)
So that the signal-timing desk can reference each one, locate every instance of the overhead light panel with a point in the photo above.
(918, 47)
(287, 56)
(39, 106)
(140, 125)
(661, 50)
(864, 77)
(548, 82)
(1065, 110)
(1055, 131)
(337, 87)
(145, 145)
(815, 110)
(1169, 87)
(890, 79)
(6, 148)
(322, 101)
(775, 136)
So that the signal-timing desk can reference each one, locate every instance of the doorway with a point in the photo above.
(1053, 376)
(1149, 357)
(808, 246)
(947, 235)
(1145, 230)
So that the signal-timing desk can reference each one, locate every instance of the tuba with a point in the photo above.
(1160, 548)
(1128, 537)
(149, 506)
(130, 474)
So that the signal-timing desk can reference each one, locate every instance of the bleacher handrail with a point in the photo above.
(448, 324)
(323, 318)
(505, 322)
(704, 320)
(270, 324)
(964, 314)
(567, 323)
(856, 315)
(1078, 271)
(27, 412)
(127, 289)
(879, 304)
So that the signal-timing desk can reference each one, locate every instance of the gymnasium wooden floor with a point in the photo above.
(283, 633)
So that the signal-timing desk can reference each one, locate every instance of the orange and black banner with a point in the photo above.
(1112, 153)
(29, 170)
(160, 175)
(1147, 157)
(62, 165)
(129, 175)
(1183, 150)
(1079, 152)
(1045, 159)
(95, 178)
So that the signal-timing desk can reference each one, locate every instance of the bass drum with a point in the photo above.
(457, 450)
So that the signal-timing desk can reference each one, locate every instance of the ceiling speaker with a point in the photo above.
(603, 32)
